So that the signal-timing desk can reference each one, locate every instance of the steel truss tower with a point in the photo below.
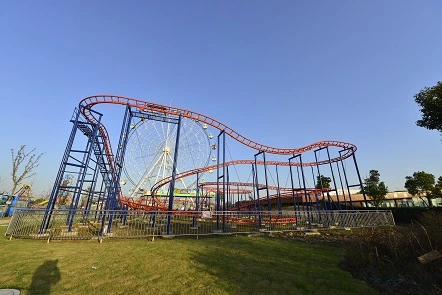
(92, 170)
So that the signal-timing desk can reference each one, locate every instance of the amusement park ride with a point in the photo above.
(162, 157)
(20, 199)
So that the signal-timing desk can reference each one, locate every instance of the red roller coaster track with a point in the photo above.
(88, 102)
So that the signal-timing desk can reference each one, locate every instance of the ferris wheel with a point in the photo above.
(150, 153)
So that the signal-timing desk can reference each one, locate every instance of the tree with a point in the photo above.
(437, 191)
(323, 181)
(375, 189)
(423, 184)
(17, 161)
(18, 176)
(430, 101)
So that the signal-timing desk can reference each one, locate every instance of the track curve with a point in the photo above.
(250, 184)
(89, 102)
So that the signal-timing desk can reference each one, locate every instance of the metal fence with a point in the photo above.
(100, 224)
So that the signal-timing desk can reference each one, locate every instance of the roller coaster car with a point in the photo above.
(152, 107)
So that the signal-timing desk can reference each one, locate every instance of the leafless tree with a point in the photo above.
(32, 162)
(18, 176)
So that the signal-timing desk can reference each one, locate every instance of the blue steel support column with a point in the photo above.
(76, 196)
(269, 205)
(228, 205)
(218, 192)
(320, 182)
(257, 194)
(121, 151)
(254, 188)
(295, 207)
(197, 200)
(318, 205)
(226, 195)
(308, 202)
(342, 185)
(224, 179)
(327, 220)
(217, 196)
(334, 181)
(345, 177)
(303, 181)
(115, 188)
(64, 162)
(91, 193)
(240, 199)
(304, 187)
(292, 184)
(172, 182)
(238, 196)
(99, 206)
(60, 174)
(197, 192)
(360, 180)
(278, 192)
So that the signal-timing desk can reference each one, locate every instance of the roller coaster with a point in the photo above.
(163, 154)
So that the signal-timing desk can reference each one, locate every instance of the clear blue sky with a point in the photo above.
(284, 73)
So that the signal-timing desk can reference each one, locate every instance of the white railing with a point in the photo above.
(122, 224)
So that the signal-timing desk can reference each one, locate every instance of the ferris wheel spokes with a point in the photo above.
(144, 178)
(151, 148)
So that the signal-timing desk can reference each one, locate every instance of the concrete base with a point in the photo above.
(167, 236)
(39, 236)
(312, 233)
(66, 233)
(9, 292)
(255, 235)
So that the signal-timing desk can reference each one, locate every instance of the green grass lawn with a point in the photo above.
(209, 265)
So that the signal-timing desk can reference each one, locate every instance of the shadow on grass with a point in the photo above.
(259, 265)
(44, 277)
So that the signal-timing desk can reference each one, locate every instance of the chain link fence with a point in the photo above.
(122, 224)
